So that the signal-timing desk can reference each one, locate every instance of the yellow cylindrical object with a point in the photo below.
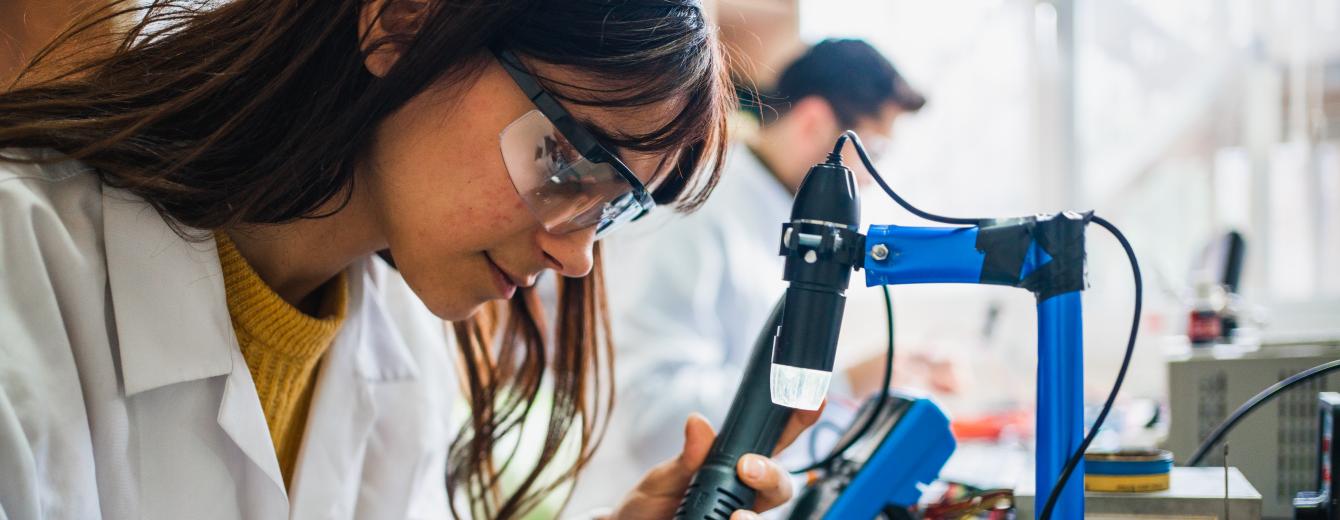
(1127, 483)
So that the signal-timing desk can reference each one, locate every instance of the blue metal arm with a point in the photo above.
(1044, 255)
(921, 255)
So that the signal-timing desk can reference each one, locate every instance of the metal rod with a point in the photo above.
(1060, 411)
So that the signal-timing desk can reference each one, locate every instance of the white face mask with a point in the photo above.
(876, 146)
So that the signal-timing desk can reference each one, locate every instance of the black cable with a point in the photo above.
(836, 155)
(870, 166)
(818, 427)
(1259, 399)
(1078, 455)
(879, 403)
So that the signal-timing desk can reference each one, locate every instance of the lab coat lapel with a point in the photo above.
(241, 417)
(172, 323)
(367, 352)
(148, 266)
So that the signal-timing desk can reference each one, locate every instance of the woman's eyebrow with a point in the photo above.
(607, 140)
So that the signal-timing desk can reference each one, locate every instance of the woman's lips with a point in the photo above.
(500, 280)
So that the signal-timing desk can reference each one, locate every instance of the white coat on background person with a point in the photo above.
(123, 393)
(713, 278)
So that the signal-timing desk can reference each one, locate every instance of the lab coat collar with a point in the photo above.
(172, 326)
(172, 323)
(382, 355)
(148, 265)
(160, 345)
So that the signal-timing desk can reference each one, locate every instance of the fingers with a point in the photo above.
(698, 437)
(744, 514)
(767, 478)
(800, 420)
(672, 476)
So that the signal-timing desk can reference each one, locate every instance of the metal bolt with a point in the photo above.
(880, 252)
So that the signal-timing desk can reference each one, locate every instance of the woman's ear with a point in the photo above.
(818, 120)
(385, 29)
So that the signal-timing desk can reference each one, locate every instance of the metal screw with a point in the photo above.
(880, 252)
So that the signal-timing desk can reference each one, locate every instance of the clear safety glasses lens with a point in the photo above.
(564, 190)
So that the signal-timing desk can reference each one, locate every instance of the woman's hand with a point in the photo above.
(658, 494)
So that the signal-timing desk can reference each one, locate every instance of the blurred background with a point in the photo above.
(1209, 130)
(1180, 121)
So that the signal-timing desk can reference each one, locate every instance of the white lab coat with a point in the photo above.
(123, 393)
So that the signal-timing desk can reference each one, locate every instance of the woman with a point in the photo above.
(193, 319)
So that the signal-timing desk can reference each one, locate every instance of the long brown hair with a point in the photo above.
(257, 111)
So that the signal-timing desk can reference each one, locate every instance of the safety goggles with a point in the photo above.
(566, 177)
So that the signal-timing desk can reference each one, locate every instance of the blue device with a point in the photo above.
(905, 449)
(793, 355)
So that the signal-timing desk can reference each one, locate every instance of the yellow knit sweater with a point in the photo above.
(282, 346)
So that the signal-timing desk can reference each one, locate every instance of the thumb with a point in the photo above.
(669, 478)
(698, 437)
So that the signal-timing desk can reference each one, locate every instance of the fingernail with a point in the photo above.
(748, 515)
(754, 468)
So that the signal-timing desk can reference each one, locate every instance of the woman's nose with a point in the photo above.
(570, 251)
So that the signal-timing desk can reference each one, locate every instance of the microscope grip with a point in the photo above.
(716, 491)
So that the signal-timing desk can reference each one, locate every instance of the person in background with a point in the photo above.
(687, 322)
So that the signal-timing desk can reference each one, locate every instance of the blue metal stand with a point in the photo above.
(899, 255)
(1060, 412)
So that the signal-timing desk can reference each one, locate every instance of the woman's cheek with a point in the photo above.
(501, 209)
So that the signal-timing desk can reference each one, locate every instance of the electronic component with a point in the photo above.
(1322, 503)
(1205, 387)
(883, 469)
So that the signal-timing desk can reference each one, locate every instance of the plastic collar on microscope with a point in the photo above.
(830, 241)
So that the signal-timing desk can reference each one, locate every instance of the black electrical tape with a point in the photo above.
(1062, 237)
(1004, 244)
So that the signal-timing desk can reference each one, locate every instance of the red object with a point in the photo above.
(1203, 327)
(989, 427)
